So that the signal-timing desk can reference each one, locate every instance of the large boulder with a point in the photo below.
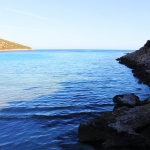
(122, 127)
(129, 100)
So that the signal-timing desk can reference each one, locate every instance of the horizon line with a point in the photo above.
(78, 49)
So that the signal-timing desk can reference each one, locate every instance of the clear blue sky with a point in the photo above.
(76, 24)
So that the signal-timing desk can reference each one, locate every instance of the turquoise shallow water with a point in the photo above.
(45, 94)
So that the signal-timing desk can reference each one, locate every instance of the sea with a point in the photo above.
(46, 94)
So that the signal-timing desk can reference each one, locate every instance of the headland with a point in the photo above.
(11, 46)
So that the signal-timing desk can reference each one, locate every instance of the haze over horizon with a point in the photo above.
(78, 24)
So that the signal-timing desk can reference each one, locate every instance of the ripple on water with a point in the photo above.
(45, 95)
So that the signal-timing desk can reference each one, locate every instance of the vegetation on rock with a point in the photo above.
(7, 45)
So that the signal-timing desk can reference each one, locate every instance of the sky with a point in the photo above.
(76, 24)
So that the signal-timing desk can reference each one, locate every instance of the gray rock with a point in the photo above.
(147, 45)
(129, 100)
(123, 123)
(139, 62)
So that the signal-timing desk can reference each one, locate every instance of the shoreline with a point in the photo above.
(128, 125)
(4, 50)
(139, 62)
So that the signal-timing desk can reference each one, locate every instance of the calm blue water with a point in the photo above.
(45, 94)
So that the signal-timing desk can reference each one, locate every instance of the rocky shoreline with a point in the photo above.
(139, 62)
(128, 125)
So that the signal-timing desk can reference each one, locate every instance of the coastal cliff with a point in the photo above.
(128, 125)
(10, 46)
(139, 61)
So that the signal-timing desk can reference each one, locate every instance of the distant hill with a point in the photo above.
(7, 45)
